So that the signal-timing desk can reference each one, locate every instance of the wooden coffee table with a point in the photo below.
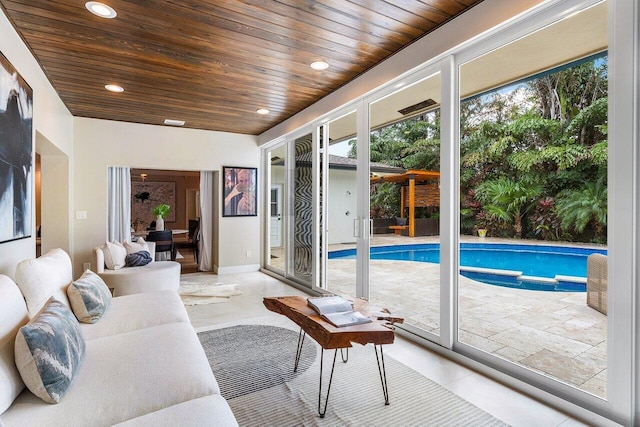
(378, 332)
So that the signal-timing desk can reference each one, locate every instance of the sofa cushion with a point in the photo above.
(114, 255)
(44, 277)
(89, 297)
(13, 315)
(126, 376)
(206, 411)
(138, 311)
(49, 351)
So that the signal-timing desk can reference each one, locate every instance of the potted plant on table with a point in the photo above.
(161, 211)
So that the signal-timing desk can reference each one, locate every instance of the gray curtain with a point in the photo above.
(206, 221)
(119, 204)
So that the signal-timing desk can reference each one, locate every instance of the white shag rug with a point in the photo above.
(197, 293)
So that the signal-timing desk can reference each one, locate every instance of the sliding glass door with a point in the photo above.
(404, 200)
(472, 197)
(533, 181)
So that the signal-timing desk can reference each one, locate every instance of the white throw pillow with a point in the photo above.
(139, 245)
(114, 255)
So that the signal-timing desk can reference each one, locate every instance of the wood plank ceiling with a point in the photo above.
(213, 63)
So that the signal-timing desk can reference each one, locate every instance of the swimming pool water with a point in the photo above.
(542, 261)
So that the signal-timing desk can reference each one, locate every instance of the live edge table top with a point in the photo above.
(378, 332)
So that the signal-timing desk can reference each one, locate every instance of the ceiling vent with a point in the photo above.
(417, 107)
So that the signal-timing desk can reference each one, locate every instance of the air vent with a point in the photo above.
(417, 107)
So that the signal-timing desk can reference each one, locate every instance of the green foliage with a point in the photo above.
(385, 200)
(586, 206)
(162, 210)
(508, 201)
(535, 152)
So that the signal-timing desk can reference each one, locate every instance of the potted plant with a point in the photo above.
(481, 224)
(161, 211)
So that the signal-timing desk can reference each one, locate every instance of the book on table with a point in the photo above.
(337, 311)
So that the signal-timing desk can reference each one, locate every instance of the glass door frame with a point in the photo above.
(619, 327)
(321, 132)
(448, 218)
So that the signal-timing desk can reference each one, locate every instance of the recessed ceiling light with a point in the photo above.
(262, 111)
(114, 88)
(100, 9)
(319, 65)
(172, 122)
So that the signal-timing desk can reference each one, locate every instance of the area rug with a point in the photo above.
(197, 293)
(254, 367)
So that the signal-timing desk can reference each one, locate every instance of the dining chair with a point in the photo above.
(164, 242)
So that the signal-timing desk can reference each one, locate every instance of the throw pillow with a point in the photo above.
(89, 297)
(401, 221)
(138, 259)
(49, 351)
(114, 255)
(139, 245)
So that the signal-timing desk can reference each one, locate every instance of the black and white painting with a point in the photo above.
(16, 144)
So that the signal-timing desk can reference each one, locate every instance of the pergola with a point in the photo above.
(409, 179)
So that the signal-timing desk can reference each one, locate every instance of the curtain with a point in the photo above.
(119, 204)
(206, 221)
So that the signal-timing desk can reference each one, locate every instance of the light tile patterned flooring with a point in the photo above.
(502, 402)
(554, 333)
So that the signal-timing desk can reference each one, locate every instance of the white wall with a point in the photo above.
(102, 143)
(342, 199)
(51, 120)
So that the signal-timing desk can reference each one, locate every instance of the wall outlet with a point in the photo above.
(86, 266)
(81, 214)
(248, 254)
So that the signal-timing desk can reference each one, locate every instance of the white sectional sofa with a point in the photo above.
(143, 363)
(155, 276)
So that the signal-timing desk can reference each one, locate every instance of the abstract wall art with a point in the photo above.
(16, 160)
(147, 195)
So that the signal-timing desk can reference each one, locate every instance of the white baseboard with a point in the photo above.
(238, 269)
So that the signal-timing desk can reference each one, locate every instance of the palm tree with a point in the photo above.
(587, 206)
(508, 200)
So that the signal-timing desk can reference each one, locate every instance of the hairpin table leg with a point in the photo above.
(322, 411)
(301, 336)
(383, 374)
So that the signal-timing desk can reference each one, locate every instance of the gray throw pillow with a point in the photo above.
(138, 259)
(89, 297)
(49, 351)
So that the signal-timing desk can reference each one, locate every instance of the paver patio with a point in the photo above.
(554, 333)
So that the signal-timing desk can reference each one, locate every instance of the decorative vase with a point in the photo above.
(482, 233)
(159, 223)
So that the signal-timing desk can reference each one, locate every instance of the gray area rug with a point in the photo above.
(250, 358)
(254, 367)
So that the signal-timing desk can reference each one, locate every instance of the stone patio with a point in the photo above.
(554, 333)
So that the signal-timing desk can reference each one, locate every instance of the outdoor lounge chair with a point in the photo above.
(597, 282)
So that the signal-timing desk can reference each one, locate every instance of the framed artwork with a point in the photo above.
(16, 149)
(147, 195)
(240, 191)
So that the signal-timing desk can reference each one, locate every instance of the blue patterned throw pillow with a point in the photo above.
(49, 351)
(89, 297)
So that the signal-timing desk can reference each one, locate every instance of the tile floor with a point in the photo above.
(502, 402)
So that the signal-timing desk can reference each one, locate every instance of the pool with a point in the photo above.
(535, 267)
